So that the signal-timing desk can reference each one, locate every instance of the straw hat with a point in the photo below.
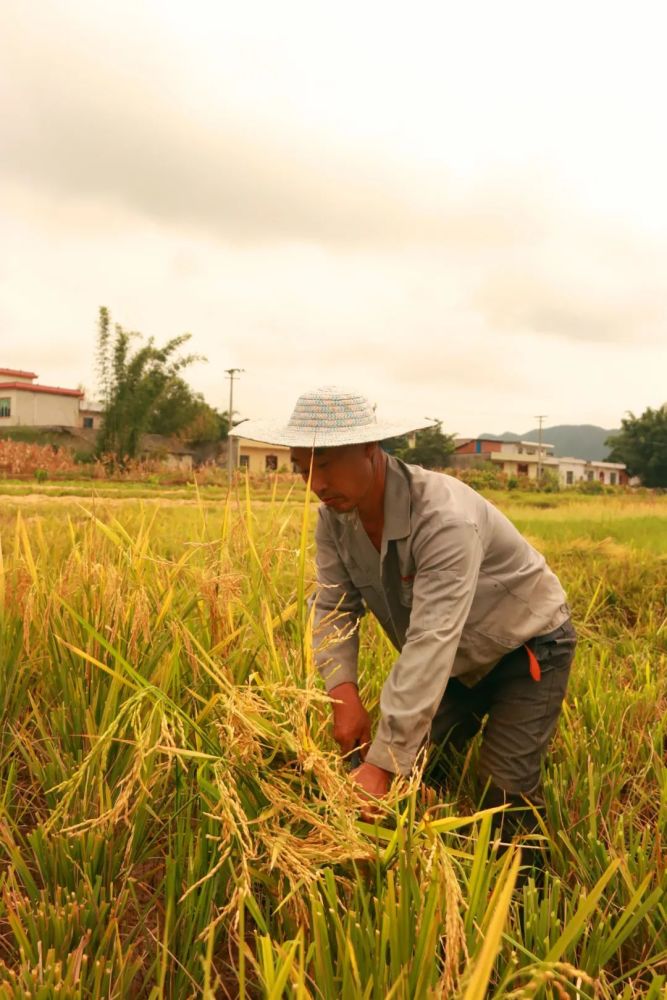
(323, 418)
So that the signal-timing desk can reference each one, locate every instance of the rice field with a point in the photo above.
(175, 821)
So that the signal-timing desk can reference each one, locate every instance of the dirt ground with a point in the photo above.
(32, 498)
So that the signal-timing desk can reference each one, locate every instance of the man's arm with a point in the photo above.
(338, 608)
(448, 555)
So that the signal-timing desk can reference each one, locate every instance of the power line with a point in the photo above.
(231, 374)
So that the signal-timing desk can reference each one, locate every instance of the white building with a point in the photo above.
(255, 456)
(515, 458)
(25, 403)
(522, 458)
(576, 470)
(90, 414)
(572, 471)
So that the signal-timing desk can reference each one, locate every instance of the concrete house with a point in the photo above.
(522, 458)
(26, 403)
(90, 414)
(258, 457)
(516, 458)
(572, 471)
(577, 470)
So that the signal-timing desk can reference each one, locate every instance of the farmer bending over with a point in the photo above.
(481, 623)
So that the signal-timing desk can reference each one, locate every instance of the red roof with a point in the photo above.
(17, 373)
(55, 390)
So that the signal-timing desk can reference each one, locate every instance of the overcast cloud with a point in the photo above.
(461, 213)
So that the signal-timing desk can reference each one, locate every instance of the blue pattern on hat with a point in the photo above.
(331, 408)
(327, 416)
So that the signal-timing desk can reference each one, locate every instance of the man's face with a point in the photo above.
(341, 476)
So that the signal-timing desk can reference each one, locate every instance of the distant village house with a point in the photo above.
(524, 458)
(257, 457)
(26, 403)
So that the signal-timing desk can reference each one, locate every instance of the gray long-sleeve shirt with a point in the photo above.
(455, 587)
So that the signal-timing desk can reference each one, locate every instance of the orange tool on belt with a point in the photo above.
(533, 664)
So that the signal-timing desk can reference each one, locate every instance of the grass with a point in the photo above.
(175, 820)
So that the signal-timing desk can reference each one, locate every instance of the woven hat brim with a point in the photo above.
(268, 432)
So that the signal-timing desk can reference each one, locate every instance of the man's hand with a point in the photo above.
(352, 728)
(351, 721)
(374, 782)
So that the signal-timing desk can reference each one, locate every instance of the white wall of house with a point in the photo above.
(514, 464)
(605, 472)
(571, 471)
(38, 409)
(258, 457)
(529, 449)
(576, 470)
(522, 458)
(529, 469)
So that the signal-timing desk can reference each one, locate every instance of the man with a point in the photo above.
(481, 622)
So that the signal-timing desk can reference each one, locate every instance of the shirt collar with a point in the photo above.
(396, 499)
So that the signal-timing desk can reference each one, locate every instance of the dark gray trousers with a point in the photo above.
(521, 716)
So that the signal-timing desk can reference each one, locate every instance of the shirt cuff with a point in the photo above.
(339, 673)
(391, 758)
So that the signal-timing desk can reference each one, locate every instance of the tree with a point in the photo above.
(642, 445)
(104, 356)
(396, 445)
(176, 409)
(208, 425)
(139, 389)
(432, 448)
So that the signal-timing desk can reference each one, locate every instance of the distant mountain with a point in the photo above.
(574, 440)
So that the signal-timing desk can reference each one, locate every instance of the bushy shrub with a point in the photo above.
(590, 486)
(480, 479)
(550, 482)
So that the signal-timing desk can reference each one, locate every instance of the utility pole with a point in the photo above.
(540, 417)
(231, 374)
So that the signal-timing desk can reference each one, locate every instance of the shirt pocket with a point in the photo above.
(362, 579)
(357, 571)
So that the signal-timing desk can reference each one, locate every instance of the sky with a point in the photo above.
(458, 210)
